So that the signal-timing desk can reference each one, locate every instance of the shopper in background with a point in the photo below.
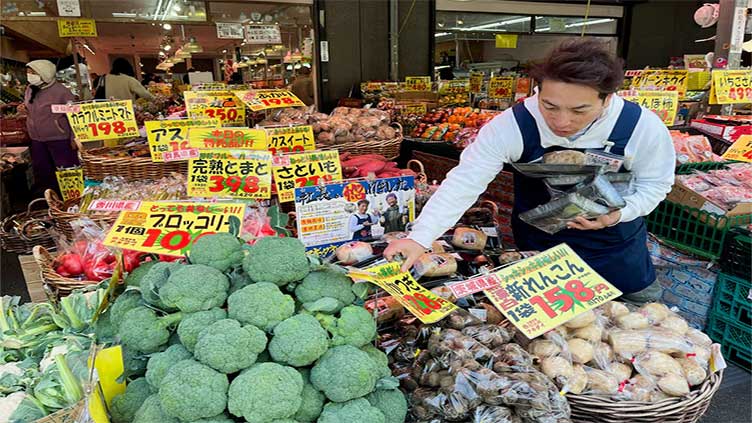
(52, 143)
(120, 83)
(302, 87)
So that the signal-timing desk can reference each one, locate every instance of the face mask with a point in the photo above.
(34, 79)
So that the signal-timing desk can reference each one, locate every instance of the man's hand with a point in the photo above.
(409, 249)
(598, 223)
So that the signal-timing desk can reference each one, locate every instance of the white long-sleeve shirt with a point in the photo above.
(649, 155)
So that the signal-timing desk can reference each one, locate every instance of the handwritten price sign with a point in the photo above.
(414, 109)
(230, 173)
(418, 83)
(458, 86)
(476, 82)
(103, 120)
(172, 228)
(740, 150)
(663, 103)
(547, 290)
(172, 135)
(71, 182)
(501, 87)
(732, 87)
(290, 139)
(221, 105)
(306, 169)
(241, 138)
(662, 80)
(258, 100)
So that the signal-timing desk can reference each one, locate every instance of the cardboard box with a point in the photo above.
(682, 194)
(33, 277)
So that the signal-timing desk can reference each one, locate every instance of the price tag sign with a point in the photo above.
(501, 87)
(258, 100)
(740, 150)
(422, 303)
(239, 138)
(549, 289)
(414, 109)
(172, 135)
(476, 82)
(732, 86)
(471, 286)
(290, 139)
(304, 170)
(71, 182)
(418, 83)
(103, 120)
(172, 227)
(114, 205)
(230, 173)
(662, 80)
(663, 103)
(506, 40)
(457, 86)
(209, 86)
(221, 105)
(76, 28)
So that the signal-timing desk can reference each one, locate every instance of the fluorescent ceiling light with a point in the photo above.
(36, 14)
(595, 22)
(167, 27)
(495, 24)
(123, 15)
(441, 34)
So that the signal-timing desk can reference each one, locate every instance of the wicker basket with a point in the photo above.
(59, 285)
(17, 241)
(61, 218)
(97, 164)
(688, 409)
(387, 148)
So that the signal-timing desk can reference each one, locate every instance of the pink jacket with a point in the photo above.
(42, 124)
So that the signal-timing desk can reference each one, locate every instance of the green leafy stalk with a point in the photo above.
(73, 391)
(66, 303)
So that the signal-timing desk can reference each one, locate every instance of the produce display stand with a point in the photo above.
(99, 163)
(60, 285)
(62, 218)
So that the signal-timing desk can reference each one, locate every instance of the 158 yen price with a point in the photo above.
(234, 183)
(107, 128)
(575, 290)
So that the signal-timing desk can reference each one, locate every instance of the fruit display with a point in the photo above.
(458, 126)
(347, 124)
(725, 187)
(151, 109)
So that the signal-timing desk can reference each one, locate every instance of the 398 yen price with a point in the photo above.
(249, 184)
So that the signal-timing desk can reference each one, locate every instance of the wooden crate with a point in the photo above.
(33, 277)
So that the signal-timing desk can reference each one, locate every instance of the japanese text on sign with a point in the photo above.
(230, 173)
(474, 285)
(114, 205)
(414, 109)
(418, 83)
(476, 82)
(71, 182)
(290, 139)
(422, 303)
(501, 87)
(740, 150)
(263, 34)
(457, 86)
(662, 103)
(240, 138)
(258, 100)
(76, 28)
(172, 135)
(732, 87)
(221, 105)
(306, 169)
(171, 228)
(104, 120)
(209, 86)
(662, 80)
(549, 289)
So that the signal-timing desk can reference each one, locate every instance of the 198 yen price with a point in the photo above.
(106, 128)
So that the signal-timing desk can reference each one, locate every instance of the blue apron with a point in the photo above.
(618, 253)
(366, 231)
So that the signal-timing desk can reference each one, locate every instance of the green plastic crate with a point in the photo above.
(736, 259)
(735, 339)
(731, 299)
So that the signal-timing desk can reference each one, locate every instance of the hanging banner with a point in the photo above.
(290, 139)
(506, 40)
(549, 289)
(171, 228)
(71, 182)
(418, 83)
(76, 28)
(172, 135)
(740, 150)
(103, 120)
(476, 82)
(732, 86)
(661, 80)
(221, 105)
(258, 100)
(302, 170)
(663, 103)
(501, 87)
(230, 173)
(238, 138)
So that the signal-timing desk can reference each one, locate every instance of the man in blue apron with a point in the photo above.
(575, 108)
(361, 222)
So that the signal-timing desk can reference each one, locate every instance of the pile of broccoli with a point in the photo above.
(257, 334)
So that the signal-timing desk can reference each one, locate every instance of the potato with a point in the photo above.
(673, 385)
(602, 354)
(693, 372)
(543, 348)
(655, 312)
(675, 324)
(621, 371)
(614, 309)
(655, 363)
(581, 350)
(632, 321)
(578, 382)
(601, 382)
(581, 320)
(698, 338)
(627, 343)
(353, 252)
(556, 366)
(591, 333)
(701, 355)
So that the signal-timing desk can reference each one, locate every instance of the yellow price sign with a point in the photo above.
(506, 40)
(476, 82)
(290, 139)
(740, 150)
(103, 120)
(663, 103)
(418, 83)
(732, 86)
(258, 100)
(501, 87)
(230, 173)
(71, 182)
(239, 138)
(458, 86)
(414, 109)
(549, 289)
(662, 80)
(306, 169)
(76, 28)
(172, 135)
(209, 86)
(422, 303)
(222, 105)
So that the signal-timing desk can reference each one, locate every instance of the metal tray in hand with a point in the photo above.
(553, 217)
(542, 170)
(566, 180)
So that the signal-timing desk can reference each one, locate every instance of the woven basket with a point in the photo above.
(59, 285)
(688, 409)
(97, 164)
(75, 414)
(17, 241)
(61, 218)
(387, 148)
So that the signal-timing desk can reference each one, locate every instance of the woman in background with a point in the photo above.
(120, 83)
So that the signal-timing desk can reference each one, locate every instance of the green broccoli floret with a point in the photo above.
(134, 277)
(380, 358)
(195, 287)
(326, 283)
(142, 330)
(284, 421)
(265, 392)
(227, 347)
(161, 362)
(357, 410)
(313, 400)
(221, 251)
(192, 391)
(125, 405)
(298, 341)
(355, 326)
(151, 412)
(276, 260)
(392, 404)
(193, 323)
(344, 373)
(222, 418)
(238, 279)
(134, 364)
(261, 304)
(125, 302)
(152, 281)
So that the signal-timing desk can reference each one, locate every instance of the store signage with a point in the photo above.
(472, 286)
(258, 100)
(230, 30)
(476, 82)
(103, 120)
(731, 87)
(222, 105)
(290, 139)
(506, 40)
(418, 83)
(663, 103)
(234, 138)
(501, 87)
(662, 80)
(414, 109)
(549, 289)
(230, 173)
(76, 28)
(420, 302)
(171, 228)
(304, 170)
(262, 34)
(209, 86)
(172, 135)
(114, 205)
(633, 73)
(457, 86)
(740, 150)
(68, 8)
(71, 182)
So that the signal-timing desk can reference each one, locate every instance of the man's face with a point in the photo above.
(391, 201)
(362, 208)
(568, 108)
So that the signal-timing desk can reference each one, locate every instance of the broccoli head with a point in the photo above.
(298, 341)
(313, 401)
(193, 323)
(195, 287)
(151, 411)
(276, 260)
(261, 304)
(221, 251)
(125, 302)
(222, 418)
(357, 410)
(227, 347)
(326, 283)
(355, 326)
(284, 421)
(125, 405)
(142, 330)
(265, 392)
(134, 364)
(380, 358)
(192, 391)
(152, 281)
(238, 279)
(391, 402)
(344, 373)
(161, 362)
(134, 277)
